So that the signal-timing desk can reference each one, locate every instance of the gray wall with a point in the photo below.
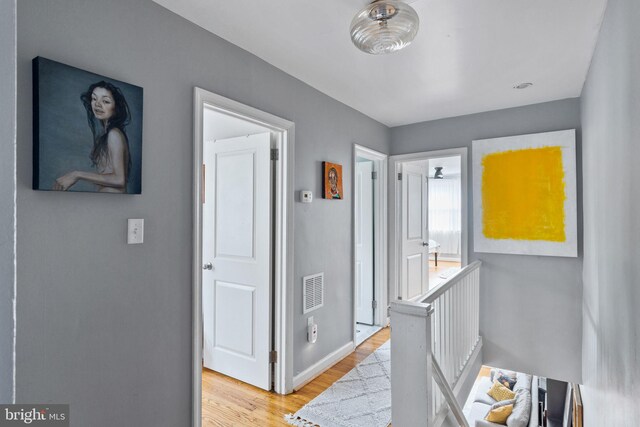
(611, 135)
(104, 326)
(7, 191)
(530, 306)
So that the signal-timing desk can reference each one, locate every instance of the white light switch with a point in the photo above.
(135, 232)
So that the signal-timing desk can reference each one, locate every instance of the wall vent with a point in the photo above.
(313, 292)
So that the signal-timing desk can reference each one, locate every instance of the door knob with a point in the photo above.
(425, 243)
(207, 266)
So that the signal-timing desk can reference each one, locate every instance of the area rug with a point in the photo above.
(362, 398)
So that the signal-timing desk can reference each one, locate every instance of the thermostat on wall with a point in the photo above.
(306, 196)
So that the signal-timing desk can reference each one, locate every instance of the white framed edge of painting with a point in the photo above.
(524, 194)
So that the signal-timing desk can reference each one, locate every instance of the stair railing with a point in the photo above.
(432, 341)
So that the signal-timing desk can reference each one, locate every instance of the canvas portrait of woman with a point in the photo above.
(87, 134)
(332, 182)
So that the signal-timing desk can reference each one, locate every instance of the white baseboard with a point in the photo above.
(315, 370)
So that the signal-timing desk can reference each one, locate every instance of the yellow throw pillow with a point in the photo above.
(500, 392)
(499, 415)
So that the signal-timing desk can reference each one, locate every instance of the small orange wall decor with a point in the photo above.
(525, 194)
(332, 181)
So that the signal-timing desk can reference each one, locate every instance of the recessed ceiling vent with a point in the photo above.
(313, 292)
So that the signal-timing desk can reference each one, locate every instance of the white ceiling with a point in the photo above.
(450, 165)
(217, 126)
(467, 56)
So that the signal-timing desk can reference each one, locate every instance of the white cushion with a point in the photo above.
(521, 410)
(481, 394)
(523, 381)
(484, 423)
(478, 411)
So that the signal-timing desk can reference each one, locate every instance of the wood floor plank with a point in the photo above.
(485, 371)
(227, 402)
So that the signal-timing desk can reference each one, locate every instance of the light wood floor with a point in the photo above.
(229, 402)
(485, 371)
(435, 271)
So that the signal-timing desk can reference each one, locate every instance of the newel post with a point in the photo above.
(411, 370)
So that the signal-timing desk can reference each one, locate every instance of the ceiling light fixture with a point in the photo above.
(384, 26)
(523, 85)
(438, 174)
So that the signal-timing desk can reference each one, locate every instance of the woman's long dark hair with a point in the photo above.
(119, 120)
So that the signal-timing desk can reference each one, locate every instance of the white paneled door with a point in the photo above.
(364, 242)
(415, 251)
(236, 291)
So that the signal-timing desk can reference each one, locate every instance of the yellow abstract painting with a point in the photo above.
(523, 195)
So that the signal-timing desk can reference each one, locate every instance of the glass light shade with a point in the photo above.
(384, 26)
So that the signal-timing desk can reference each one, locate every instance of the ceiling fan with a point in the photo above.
(438, 174)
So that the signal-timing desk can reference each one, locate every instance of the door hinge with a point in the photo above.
(399, 177)
(275, 154)
(374, 175)
(273, 357)
(374, 304)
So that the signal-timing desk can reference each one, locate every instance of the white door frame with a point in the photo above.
(380, 258)
(395, 194)
(282, 235)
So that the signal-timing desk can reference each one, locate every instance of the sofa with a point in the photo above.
(525, 409)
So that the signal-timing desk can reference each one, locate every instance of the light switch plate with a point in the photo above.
(135, 231)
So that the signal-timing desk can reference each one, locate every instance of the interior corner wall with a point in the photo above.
(611, 149)
(104, 326)
(530, 306)
(7, 194)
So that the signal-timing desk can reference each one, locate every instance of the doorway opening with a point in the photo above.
(429, 215)
(444, 217)
(370, 230)
(242, 237)
(237, 285)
